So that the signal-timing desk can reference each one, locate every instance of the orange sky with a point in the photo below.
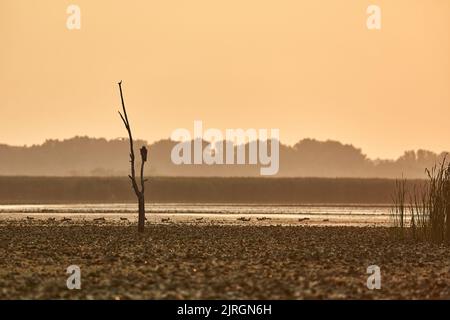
(310, 68)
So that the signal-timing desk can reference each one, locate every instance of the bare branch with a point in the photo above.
(130, 137)
(132, 176)
(123, 119)
(143, 160)
(142, 177)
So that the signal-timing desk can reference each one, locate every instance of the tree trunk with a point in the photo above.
(141, 218)
(139, 193)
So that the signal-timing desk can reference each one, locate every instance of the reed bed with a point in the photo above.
(422, 210)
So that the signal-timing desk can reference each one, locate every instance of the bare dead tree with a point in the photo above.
(139, 192)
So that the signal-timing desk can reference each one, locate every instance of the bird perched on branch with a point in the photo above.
(144, 153)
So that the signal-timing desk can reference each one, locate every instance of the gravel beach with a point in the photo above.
(214, 261)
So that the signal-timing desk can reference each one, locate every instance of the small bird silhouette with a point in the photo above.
(144, 153)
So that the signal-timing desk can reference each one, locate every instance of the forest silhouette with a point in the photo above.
(84, 156)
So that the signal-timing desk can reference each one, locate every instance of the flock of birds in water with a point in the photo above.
(168, 220)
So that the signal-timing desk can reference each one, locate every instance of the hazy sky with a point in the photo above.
(310, 68)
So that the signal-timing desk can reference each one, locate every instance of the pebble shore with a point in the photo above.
(214, 261)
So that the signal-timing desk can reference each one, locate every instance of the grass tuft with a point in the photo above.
(422, 210)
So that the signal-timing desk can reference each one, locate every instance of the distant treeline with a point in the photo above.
(48, 190)
(83, 156)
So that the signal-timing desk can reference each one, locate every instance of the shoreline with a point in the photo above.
(215, 261)
(205, 219)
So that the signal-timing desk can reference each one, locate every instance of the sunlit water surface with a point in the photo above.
(225, 213)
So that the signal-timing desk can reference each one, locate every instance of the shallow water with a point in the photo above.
(365, 210)
(223, 213)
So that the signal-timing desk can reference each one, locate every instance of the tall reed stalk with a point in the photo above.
(425, 213)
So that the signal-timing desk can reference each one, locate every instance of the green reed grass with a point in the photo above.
(422, 211)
